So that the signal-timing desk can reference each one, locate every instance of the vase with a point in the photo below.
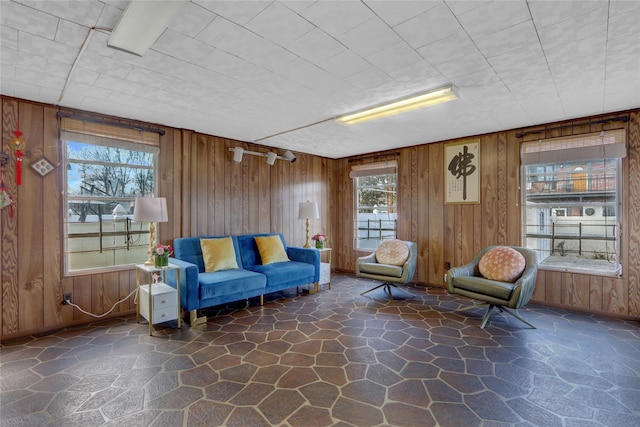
(161, 261)
(319, 244)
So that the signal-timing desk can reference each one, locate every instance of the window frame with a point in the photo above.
(136, 140)
(596, 155)
(367, 170)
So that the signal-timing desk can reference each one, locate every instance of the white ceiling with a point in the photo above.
(278, 72)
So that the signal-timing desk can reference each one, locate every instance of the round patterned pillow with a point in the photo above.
(393, 252)
(503, 264)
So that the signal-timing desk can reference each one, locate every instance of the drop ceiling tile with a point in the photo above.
(394, 59)
(337, 17)
(316, 46)
(344, 64)
(83, 12)
(511, 39)
(369, 37)
(493, 17)
(461, 6)
(396, 12)
(26, 19)
(22, 59)
(462, 67)
(436, 24)
(279, 24)
(370, 79)
(9, 37)
(103, 65)
(39, 46)
(591, 25)
(454, 46)
(624, 25)
(239, 12)
(549, 13)
(178, 45)
(191, 19)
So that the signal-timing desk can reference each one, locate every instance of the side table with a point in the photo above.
(325, 266)
(160, 298)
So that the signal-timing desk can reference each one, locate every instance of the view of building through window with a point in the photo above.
(570, 214)
(102, 182)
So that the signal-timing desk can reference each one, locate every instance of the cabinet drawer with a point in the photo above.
(162, 314)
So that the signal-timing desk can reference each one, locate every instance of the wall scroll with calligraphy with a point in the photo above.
(462, 172)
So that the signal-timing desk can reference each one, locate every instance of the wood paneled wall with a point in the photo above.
(208, 194)
(455, 233)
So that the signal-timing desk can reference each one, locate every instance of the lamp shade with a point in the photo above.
(308, 210)
(150, 209)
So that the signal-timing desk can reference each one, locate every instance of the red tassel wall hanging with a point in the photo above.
(18, 145)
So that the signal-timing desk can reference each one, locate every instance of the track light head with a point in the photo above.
(271, 158)
(289, 156)
(237, 154)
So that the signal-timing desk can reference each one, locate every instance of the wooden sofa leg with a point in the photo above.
(195, 320)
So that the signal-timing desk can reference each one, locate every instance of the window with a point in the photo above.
(105, 168)
(571, 200)
(375, 193)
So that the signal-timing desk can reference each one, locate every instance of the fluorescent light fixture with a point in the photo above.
(141, 23)
(438, 96)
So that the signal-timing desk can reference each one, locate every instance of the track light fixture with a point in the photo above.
(433, 97)
(238, 152)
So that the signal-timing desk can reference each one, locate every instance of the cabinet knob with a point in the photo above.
(163, 301)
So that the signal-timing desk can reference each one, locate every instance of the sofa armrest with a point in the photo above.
(308, 255)
(189, 287)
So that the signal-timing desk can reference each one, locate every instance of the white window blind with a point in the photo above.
(371, 169)
(608, 145)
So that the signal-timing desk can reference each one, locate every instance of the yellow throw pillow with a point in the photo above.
(271, 249)
(218, 254)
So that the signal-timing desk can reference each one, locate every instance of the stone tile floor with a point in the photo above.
(332, 358)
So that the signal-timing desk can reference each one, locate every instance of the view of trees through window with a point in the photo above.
(376, 210)
(101, 185)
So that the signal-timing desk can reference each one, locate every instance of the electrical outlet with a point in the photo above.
(66, 299)
(445, 277)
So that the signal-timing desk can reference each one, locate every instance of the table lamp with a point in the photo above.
(151, 209)
(308, 210)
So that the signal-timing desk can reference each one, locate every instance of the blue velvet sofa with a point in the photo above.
(200, 289)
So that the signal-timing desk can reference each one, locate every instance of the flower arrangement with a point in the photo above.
(320, 240)
(161, 254)
(162, 250)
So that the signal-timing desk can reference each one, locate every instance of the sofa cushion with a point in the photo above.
(218, 254)
(502, 263)
(228, 282)
(271, 249)
(381, 269)
(284, 275)
(480, 285)
(392, 252)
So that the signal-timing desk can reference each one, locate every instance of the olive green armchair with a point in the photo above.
(507, 297)
(392, 274)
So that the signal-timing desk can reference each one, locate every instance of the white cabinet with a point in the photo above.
(164, 303)
(325, 266)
